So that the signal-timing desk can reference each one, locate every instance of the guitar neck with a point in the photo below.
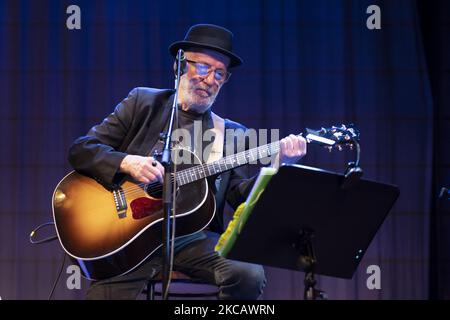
(343, 135)
(227, 163)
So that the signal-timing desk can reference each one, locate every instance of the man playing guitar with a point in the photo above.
(120, 147)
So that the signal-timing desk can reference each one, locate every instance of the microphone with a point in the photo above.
(183, 63)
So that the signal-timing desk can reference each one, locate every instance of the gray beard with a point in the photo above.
(192, 100)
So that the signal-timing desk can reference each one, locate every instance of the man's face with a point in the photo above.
(197, 93)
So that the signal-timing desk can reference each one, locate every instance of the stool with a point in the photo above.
(179, 277)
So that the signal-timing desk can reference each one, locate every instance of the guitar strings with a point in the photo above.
(184, 174)
(156, 186)
(269, 149)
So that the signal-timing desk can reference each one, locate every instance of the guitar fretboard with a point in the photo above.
(202, 171)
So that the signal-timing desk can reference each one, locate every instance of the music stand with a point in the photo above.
(306, 220)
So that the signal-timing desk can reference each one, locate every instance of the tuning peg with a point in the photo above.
(330, 148)
(339, 147)
(350, 146)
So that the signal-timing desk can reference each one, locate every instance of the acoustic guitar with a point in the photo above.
(111, 232)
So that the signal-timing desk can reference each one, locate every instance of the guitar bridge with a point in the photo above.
(121, 203)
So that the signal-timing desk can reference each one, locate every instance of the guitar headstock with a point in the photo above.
(334, 137)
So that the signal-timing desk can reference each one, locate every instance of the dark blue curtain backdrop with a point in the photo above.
(307, 64)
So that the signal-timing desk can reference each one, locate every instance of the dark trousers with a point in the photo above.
(235, 279)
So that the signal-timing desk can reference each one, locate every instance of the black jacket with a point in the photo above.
(133, 128)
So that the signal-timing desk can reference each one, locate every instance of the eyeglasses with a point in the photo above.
(204, 69)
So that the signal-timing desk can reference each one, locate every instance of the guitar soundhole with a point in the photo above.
(154, 190)
(144, 207)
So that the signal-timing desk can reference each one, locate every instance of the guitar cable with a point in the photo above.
(45, 240)
(58, 277)
(48, 239)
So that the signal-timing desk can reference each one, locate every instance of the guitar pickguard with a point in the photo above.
(144, 207)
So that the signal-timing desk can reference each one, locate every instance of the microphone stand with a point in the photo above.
(167, 184)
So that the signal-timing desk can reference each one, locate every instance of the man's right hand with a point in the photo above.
(142, 169)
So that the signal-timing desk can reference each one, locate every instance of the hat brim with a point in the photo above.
(234, 59)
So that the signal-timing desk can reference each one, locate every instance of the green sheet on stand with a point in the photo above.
(236, 225)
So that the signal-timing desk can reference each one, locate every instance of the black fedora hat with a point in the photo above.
(211, 37)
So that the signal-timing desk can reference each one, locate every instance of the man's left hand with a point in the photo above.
(292, 149)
